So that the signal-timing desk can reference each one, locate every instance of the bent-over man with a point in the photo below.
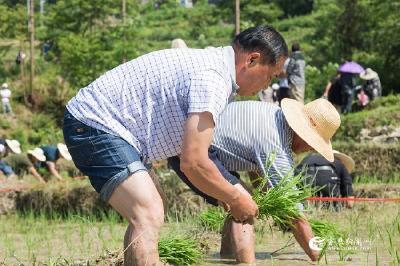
(160, 105)
(248, 135)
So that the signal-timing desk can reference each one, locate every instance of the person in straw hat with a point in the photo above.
(372, 86)
(332, 179)
(21, 163)
(248, 135)
(8, 146)
(52, 154)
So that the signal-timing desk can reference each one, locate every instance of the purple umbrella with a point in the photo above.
(351, 67)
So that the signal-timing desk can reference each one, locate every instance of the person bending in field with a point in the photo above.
(331, 179)
(160, 105)
(248, 134)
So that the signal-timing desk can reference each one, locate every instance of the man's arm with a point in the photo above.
(203, 173)
(33, 172)
(303, 233)
(327, 89)
(51, 166)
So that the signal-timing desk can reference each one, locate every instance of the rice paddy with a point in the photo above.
(371, 230)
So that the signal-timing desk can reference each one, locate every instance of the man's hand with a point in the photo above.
(243, 208)
(203, 173)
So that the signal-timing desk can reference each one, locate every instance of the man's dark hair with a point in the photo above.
(295, 47)
(263, 39)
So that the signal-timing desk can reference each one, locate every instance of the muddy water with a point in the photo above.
(270, 252)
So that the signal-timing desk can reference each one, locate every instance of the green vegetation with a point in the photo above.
(179, 250)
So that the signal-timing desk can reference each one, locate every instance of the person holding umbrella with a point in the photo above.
(348, 70)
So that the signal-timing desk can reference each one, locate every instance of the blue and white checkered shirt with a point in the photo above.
(249, 133)
(146, 101)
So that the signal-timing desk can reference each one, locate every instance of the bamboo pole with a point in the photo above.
(237, 17)
(123, 16)
(31, 29)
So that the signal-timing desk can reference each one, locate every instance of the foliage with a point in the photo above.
(317, 79)
(13, 21)
(89, 38)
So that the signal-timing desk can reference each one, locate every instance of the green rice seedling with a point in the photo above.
(331, 234)
(212, 218)
(179, 251)
(325, 229)
(281, 202)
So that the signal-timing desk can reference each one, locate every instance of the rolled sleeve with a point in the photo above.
(208, 92)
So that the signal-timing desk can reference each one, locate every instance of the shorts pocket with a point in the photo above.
(77, 137)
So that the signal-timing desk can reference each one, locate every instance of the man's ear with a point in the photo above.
(253, 59)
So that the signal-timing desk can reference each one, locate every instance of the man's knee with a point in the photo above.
(151, 218)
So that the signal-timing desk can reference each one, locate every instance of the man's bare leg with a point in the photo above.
(238, 239)
(303, 233)
(138, 200)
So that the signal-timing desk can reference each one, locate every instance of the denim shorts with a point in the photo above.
(231, 177)
(105, 158)
(6, 169)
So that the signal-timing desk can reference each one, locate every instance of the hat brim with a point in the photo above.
(346, 160)
(368, 76)
(39, 157)
(14, 149)
(300, 123)
(64, 153)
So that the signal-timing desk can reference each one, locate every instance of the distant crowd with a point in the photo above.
(340, 90)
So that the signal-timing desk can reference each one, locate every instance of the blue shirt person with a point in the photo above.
(53, 153)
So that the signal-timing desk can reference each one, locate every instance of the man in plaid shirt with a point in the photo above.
(159, 105)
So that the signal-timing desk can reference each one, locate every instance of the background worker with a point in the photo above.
(5, 94)
(21, 163)
(296, 74)
(53, 153)
(332, 179)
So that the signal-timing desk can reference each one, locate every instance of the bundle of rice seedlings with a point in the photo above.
(282, 203)
(212, 218)
(332, 237)
(325, 229)
(179, 251)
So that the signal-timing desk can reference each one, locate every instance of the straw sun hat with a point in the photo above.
(38, 153)
(346, 160)
(62, 148)
(14, 145)
(368, 74)
(316, 123)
